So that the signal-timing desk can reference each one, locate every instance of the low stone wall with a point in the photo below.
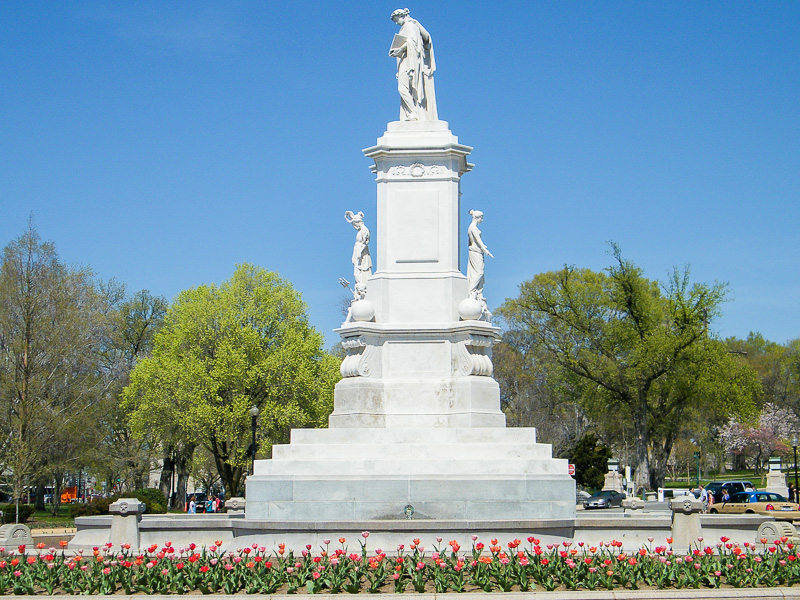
(52, 538)
(634, 530)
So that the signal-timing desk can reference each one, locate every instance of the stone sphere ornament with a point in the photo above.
(362, 310)
(470, 309)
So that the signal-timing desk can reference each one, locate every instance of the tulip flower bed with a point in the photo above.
(517, 566)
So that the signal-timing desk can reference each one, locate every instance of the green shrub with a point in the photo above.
(10, 512)
(85, 510)
(153, 499)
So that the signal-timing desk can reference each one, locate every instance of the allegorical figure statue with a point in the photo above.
(362, 261)
(475, 267)
(413, 48)
(360, 293)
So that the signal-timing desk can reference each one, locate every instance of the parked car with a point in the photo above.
(604, 499)
(733, 487)
(761, 503)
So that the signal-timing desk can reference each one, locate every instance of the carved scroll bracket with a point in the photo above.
(473, 356)
(356, 363)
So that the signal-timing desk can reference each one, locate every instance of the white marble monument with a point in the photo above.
(416, 417)
(413, 49)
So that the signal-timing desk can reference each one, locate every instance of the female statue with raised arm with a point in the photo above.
(362, 261)
(413, 49)
(477, 250)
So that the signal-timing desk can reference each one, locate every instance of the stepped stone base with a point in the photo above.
(487, 473)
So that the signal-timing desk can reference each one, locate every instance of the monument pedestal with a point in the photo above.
(613, 481)
(416, 417)
(365, 474)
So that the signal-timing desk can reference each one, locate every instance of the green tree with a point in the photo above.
(54, 323)
(534, 392)
(635, 347)
(118, 456)
(222, 350)
(778, 366)
(590, 457)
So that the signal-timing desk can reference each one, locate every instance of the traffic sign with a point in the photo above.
(571, 470)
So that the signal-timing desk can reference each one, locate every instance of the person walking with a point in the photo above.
(704, 497)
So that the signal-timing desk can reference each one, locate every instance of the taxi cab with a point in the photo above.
(761, 503)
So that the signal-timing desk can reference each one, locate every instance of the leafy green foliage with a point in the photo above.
(222, 350)
(89, 509)
(55, 322)
(152, 497)
(534, 392)
(636, 350)
(590, 457)
(161, 570)
(10, 512)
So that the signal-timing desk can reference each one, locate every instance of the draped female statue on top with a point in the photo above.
(413, 48)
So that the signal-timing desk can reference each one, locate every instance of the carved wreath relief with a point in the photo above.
(416, 170)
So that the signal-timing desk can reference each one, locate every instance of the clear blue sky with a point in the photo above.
(164, 142)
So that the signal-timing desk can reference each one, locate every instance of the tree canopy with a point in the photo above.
(590, 457)
(55, 324)
(222, 350)
(634, 347)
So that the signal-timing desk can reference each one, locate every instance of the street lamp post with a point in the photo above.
(253, 418)
(794, 447)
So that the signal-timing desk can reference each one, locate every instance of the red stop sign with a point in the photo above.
(571, 469)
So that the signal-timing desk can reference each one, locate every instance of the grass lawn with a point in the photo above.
(745, 475)
(44, 519)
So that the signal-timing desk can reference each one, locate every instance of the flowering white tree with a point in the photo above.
(733, 436)
(762, 439)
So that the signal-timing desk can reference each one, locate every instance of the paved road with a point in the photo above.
(649, 507)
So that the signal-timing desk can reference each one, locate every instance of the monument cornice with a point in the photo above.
(418, 330)
(381, 150)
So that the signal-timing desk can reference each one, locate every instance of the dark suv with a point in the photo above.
(733, 487)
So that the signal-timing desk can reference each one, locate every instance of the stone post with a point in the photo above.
(774, 530)
(631, 504)
(235, 507)
(613, 480)
(15, 534)
(776, 480)
(127, 512)
(686, 526)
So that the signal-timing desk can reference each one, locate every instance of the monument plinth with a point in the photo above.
(417, 417)
(417, 365)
